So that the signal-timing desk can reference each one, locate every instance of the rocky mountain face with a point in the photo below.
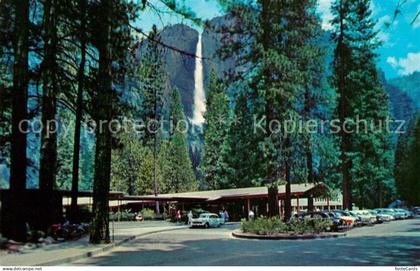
(180, 64)
(180, 67)
(401, 105)
(410, 85)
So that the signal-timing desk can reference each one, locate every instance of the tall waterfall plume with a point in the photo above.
(199, 94)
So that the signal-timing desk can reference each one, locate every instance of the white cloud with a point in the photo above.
(392, 61)
(407, 65)
(324, 8)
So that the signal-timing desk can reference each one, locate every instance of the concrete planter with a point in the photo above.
(287, 236)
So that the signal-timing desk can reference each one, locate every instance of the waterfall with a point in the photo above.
(199, 94)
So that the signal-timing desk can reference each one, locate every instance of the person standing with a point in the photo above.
(178, 216)
(251, 215)
(226, 215)
(190, 217)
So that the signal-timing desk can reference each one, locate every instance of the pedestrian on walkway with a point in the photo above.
(190, 217)
(251, 215)
(178, 216)
(226, 215)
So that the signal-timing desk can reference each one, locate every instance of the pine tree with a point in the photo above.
(365, 156)
(126, 163)
(19, 113)
(176, 165)
(104, 102)
(152, 83)
(407, 163)
(149, 175)
(241, 144)
(215, 132)
(279, 31)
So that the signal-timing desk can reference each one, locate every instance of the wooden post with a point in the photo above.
(279, 207)
(248, 204)
(297, 204)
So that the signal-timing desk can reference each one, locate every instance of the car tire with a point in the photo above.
(206, 225)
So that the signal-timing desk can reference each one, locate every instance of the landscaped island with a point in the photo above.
(275, 228)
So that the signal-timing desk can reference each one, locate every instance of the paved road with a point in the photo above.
(394, 243)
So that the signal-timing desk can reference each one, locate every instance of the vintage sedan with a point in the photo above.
(365, 217)
(207, 220)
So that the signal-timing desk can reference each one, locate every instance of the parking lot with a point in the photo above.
(390, 243)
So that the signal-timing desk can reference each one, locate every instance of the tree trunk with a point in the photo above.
(103, 105)
(270, 114)
(48, 150)
(343, 114)
(309, 157)
(17, 230)
(273, 199)
(74, 211)
(288, 195)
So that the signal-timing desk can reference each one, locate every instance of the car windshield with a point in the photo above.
(203, 215)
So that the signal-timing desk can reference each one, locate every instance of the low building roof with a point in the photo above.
(297, 190)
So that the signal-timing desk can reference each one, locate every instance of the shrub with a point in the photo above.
(264, 226)
(124, 215)
(148, 214)
(272, 226)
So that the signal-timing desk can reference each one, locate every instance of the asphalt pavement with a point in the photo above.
(393, 243)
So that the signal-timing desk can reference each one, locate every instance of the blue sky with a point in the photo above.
(399, 54)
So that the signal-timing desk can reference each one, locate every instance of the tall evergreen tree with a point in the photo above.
(365, 155)
(126, 162)
(407, 164)
(176, 167)
(241, 144)
(19, 113)
(215, 132)
(104, 102)
(279, 31)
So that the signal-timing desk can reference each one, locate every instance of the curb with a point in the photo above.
(240, 234)
(102, 249)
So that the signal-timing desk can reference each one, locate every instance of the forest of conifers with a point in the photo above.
(73, 71)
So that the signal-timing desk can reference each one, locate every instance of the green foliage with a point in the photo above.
(148, 214)
(122, 215)
(65, 142)
(274, 225)
(149, 172)
(174, 159)
(214, 167)
(127, 160)
(264, 226)
(366, 159)
(242, 145)
(407, 164)
(152, 82)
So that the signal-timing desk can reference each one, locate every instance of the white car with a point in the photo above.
(207, 220)
(381, 217)
(365, 217)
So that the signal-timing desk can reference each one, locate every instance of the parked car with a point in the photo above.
(406, 213)
(207, 220)
(365, 217)
(347, 218)
(358, 222)
(336, 222)
(381, 217)
(387, 211)
(398, 214)
(416, 210)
